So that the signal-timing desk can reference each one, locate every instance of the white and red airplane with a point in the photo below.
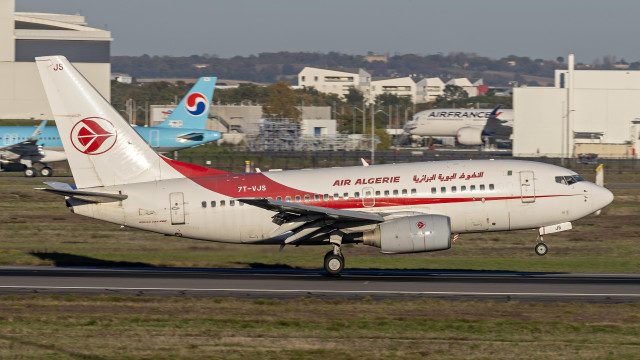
(400, 208)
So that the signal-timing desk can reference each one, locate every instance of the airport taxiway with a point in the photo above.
(354, 283)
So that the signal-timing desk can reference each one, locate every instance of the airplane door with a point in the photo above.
(177, 208)
(368, 197)
(154, 138)
(527, 187)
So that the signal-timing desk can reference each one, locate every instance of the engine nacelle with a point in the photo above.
(411, 234)
(469, 136)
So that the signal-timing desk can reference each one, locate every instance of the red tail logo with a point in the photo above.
(420, 224)
(93, 136)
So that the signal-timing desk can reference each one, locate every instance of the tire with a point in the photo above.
(30, 172)
(333, 264)
(541, 249)
(46, 171)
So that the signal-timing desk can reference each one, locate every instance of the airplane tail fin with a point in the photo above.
(102, 148)
(192, 112)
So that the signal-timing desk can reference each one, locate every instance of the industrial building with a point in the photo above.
(25, 35)
(586, 111)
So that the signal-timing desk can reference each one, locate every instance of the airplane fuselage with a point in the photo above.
(478, 196)
(447, 122)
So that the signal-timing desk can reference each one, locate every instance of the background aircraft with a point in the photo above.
(23, 146)
(469, 126)
(399, 208)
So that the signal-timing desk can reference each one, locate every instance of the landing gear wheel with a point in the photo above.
(46, 171)
(30, 172)
(333, 264)
(541, 249)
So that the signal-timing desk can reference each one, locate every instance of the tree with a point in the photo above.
(281, 102)
(354, 96)
(452, 92)
(560, 59)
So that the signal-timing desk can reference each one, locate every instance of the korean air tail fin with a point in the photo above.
(192, 112)
(102, 148)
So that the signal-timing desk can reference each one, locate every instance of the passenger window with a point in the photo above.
(491, 187)
(346, 195)
(288, 198)
(307, 198)
(473, 188)
(443, 190)
(326, 197)
(204, 204)
(298, 198)
(221, 202)
(434, 190)
(377, 193)
(336, 196)
(316, 197)
(453, 189)
(404, 192)
(232, 203)
(395, 192)
(367, 193)
(463, 188)
(279, 198)
(386, 193)
(482, 187)
(414, 192)
(356, 195)
(213, 204)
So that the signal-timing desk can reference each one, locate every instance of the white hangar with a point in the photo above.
(586, 111)
(23, 36)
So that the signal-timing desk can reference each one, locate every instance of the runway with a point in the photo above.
(354, 283)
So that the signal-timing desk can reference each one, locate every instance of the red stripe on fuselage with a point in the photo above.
(190, 170)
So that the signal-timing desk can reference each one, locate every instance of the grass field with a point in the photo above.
(75, 327)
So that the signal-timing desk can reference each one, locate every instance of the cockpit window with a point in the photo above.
(569, 179)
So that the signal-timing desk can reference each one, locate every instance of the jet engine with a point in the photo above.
(469, 136)
(411, 234)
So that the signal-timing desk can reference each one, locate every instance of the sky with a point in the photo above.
(544, 29)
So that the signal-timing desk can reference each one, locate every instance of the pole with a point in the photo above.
(354, 119)
(373, 142)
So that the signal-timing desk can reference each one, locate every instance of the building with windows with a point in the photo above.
(336, 81)
(402, 87)
(429, 89)
(25, 35)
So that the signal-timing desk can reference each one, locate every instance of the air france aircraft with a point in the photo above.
(23, 146)
(469, 126)
(399, 208)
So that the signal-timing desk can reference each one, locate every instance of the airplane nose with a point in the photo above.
(601, 197)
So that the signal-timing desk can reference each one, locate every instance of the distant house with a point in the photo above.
(336, 81)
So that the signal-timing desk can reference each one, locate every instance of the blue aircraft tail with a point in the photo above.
(193, 110)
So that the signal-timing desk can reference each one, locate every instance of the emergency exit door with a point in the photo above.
(527, 187)
(177, 208)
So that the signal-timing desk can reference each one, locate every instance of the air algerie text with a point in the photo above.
(377, 180)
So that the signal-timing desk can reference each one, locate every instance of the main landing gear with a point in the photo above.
(334, 261)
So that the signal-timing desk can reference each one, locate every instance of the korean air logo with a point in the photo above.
(196, 104)
(93, 136)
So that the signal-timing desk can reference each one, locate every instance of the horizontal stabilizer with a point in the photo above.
(88, 196)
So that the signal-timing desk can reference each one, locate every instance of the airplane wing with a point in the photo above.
(300, 209)
(23, 148)
(308, 223)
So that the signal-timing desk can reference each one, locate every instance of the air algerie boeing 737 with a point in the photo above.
(23, 146)
(469, 126)
(399, 208)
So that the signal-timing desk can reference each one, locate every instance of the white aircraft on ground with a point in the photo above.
(469, 126)
(400, 208)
